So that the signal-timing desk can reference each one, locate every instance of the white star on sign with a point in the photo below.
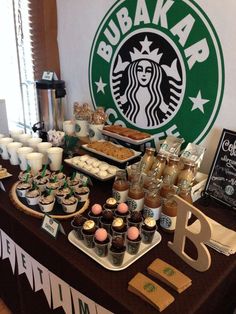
(145, 45)
(198, 102)
(100, 86)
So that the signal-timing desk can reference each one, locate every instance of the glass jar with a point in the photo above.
(167, 187)
(147, 160)
(169, 214)
(152, 204)
(171, 169)
(120, 186)
(186, 175)
(159, 165)
(185, 193)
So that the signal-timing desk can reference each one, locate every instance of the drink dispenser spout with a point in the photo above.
(39, 126)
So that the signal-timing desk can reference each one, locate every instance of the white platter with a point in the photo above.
(85, 146)
(96, 176)
(126, 139)
(104, 261)
(6, 176)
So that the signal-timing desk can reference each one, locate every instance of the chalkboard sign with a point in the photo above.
(221, 183)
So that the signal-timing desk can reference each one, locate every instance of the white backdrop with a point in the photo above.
(78, 21)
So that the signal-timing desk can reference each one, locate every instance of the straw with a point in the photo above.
(61, 168)
(28, 168)
(44, 170)
(73, 176)
(27, 178)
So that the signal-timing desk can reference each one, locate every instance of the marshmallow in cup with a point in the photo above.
(68, 127)
(3, 147)
(23, 138)
(12, 152)
(15, 134)
(55, 158)
(33, 142)
(43, 148)
(35, 161)
(22, 152)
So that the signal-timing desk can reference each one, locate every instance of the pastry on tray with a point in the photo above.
(127, 132)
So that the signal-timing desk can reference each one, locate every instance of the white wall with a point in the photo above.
(75, 39)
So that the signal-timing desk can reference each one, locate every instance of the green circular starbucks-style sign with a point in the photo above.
(157, 66)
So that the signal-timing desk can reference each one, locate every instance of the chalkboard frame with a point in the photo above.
(211, 181)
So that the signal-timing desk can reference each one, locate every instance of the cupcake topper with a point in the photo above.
(65, 184)
(85, 183)
(26, 178)
(61, 168)
(54, 179)
(73, 176)
(44, 170)
(49, 191)
(71, 192)
(28, 168)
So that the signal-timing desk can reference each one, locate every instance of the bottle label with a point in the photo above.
(152, 212)
(120, 196)
(167, 222)
(135, 204)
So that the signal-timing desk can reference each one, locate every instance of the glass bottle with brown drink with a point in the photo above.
(120, 186)
(167, 187)
(135, 199)
(185, 193)
(186, 175)
(152, 203)
(171, 170)
(169, 214)
(147, 160)
(159, 165)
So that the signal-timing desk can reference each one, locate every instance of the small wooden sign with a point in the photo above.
(221, 183)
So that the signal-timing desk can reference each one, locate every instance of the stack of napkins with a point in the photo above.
(150, 291)
(222, 239)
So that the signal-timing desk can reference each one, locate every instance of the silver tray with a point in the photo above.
(104, 261)
(85, 146)
(127, 139)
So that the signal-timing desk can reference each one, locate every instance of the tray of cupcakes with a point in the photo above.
(113, 236)
(50, 193)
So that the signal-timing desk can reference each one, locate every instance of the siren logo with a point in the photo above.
(157, 65)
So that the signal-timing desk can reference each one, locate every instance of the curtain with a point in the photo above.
(43, 33)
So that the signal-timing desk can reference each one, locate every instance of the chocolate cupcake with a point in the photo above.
(77, 225)
(95, 213)
(135, 219)
(41, 182)
(122, 211)
(52, 186)
(133, 240)
(117, 251)
(101, 241)
(46, 202)
(148, 230)
(61, 193)
(32, 196)
(22, 188)
(107, 219)
(59, 175)
(111, 203)
(82, 193)
(88, 230)
(119, 228)
(69, 203)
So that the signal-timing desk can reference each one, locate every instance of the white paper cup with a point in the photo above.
(81, 128)
(68, 127)
(55, 158)
(43, 148)
(12, 152)
(23, 138)
(35, 161)
(3, 146)
(22, 152)
(15, 134)
(95, 133)
(33, 142)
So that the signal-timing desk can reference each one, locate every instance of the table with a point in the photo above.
(211, 292)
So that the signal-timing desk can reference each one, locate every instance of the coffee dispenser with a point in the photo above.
(51, 99)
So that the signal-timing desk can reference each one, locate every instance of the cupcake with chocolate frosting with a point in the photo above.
(110, 203)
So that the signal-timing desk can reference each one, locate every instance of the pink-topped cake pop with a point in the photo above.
(122, 208)
(96, 209)
(101, 235)
(133, 233)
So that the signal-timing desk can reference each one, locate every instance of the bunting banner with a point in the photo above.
(40, 278)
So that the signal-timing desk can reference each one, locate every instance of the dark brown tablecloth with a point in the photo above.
(211, 292)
